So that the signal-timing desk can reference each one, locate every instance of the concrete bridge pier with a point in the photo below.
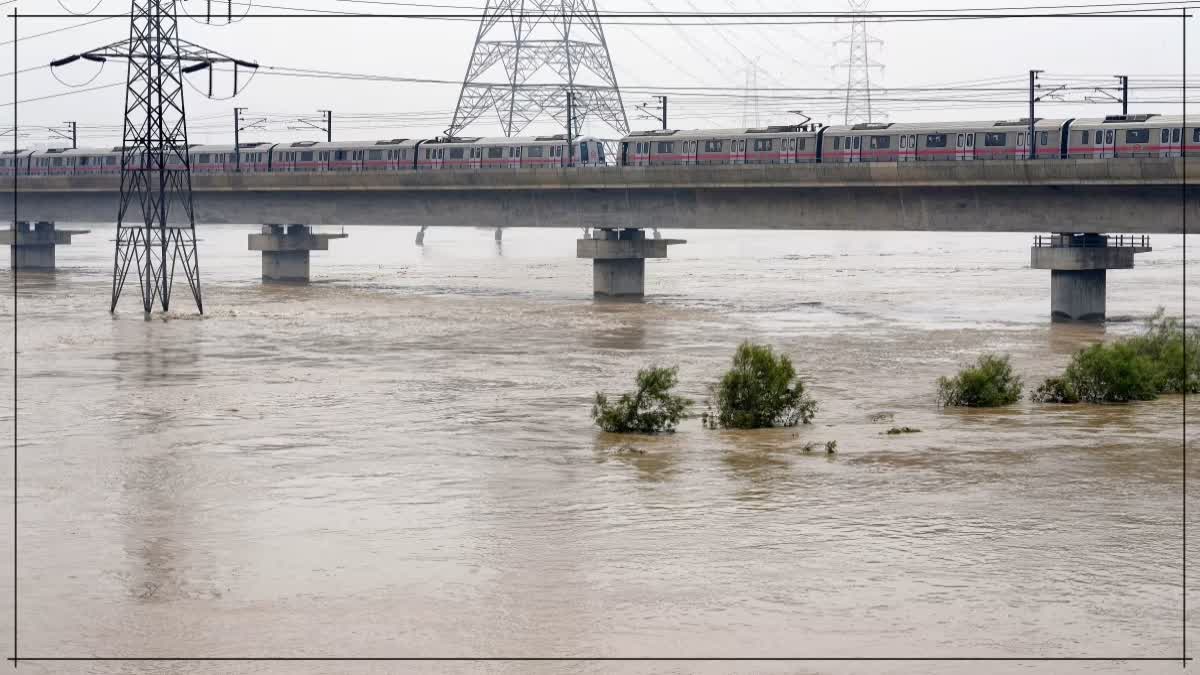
(619, 260)
(285, 253)
(499, 234)
(421, 235)
(33, 248)
(1079, 265)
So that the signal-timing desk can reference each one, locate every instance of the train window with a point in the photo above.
(306, 157)
(110, 160)
(993, 139)
(203, 159)
(837, 143)
(1137, 135)
(881, 142)
(375, 154)
(666, 148)
(1108, 136)
(495, 153)
(1196, 135)
(1175, 133)
(713, 146)
(1045, 138)
(600, 150)
(1020, 139)
(1085, 138)
(535, 151)
(970, 140)
(857, 142)
(340, 155)
(58, 160)
(903, 142)
(938, 140)
(1099, 137)
(960, 140)
(764, 145)
(1166, 136)
(802, 142)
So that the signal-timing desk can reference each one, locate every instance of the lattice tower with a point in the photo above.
(859, 65)
(528, 54)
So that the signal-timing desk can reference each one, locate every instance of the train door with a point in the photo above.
(964, 145)
(907, 151)
(1021, 151)
(738, 151)
(1108, 142)
(854, 147)
(1175, 146)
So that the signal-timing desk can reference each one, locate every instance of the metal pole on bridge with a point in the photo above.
(1032, 85)
(237, 146)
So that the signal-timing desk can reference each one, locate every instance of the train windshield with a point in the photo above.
(583, 152)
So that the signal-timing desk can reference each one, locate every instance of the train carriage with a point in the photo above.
(1146, 135)
(765, 145)
(17, 161)
(394, 154)
(207, 159)
(96, 161)
(509, 153)
(941, 141)
(52, 162)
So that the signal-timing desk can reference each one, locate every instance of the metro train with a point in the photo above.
(1143, 135)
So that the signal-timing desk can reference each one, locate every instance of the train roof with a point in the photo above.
(1128, 121)
(513, 140)
(690, 134)
(938, 127)
(381, 144)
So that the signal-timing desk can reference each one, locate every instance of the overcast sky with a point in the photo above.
(664, 57)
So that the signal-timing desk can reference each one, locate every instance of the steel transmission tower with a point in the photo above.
(529, 54)
(156, 178)
(858, 65)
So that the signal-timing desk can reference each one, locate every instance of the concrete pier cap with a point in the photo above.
(32, 248)
(619, 259)
(286, 249)
(1079, 265)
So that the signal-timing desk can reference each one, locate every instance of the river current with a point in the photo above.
(397, 460)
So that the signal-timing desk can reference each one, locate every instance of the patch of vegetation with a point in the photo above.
(1163, 360)
(1055, 390)
(830, 447)
(988, 383)
(760, 390)
(651, 409)
(895, 431)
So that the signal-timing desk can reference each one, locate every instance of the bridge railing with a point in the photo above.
(1089, 241)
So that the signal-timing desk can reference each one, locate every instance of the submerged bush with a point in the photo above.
(1114, 373)
(1163, 360)
(1055, 390)
(987, 384)
(651, 409)
(761, 390)
(1164, 343)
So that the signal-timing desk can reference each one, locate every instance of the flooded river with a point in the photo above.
(398, 461)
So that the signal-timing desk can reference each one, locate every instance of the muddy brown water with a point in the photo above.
(397, 460)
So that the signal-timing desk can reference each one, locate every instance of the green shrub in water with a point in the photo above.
(651, 409)
(760, 390)
(1055, 390)
(988, 383)
(1163, 360)
(1115, 373)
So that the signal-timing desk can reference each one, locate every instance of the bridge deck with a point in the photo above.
(1129, 195)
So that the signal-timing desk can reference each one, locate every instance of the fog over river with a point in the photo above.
(397, 460)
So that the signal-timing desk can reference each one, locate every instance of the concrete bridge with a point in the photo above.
(1135, 195)
(1088, 198)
